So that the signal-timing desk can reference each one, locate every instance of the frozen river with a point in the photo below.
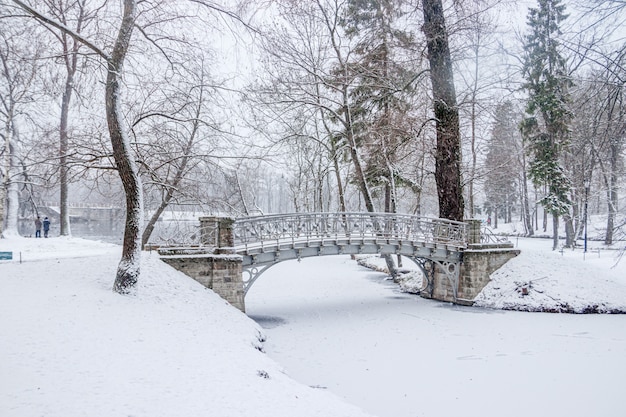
(337, 326)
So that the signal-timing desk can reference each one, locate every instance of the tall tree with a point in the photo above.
(77, 16)
(501, 163)
(129, 266)
(20, 64)
(545, 126)
(599, 136)
(384, 82)
(448, 153)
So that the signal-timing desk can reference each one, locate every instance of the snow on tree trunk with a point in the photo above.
(528, 225)
(11, 208)
(128, 268)
(4, 180)
(64, 213)
(555, 231)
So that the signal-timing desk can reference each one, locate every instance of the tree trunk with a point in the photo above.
(495, 217)
(129, 266)
(12, 194)
(9, 194)
(526, 206)
(570, 235)
(448, 153)
(3, 196)
(4, 177)
(555, 231)
(611, 197)
(612, 191)
(342, 199)
(64, 220)
(147, 231)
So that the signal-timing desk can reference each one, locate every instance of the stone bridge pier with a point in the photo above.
(214, 264)
(479, 261)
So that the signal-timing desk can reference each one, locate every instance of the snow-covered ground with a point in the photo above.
(559, 281)
(70, 347)
(565, 280)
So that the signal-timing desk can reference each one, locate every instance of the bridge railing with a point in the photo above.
(299, 227)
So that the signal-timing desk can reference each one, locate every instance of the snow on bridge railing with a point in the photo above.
(298, 227)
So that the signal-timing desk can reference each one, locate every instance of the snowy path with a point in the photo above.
(337, 326)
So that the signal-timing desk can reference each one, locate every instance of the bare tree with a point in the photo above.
(178, 134)
(129, 266)
(19, 69)
(75, 15)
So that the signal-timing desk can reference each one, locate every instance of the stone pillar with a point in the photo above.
(473, 232)
(218, 232)
(209, 231)
(217, 267)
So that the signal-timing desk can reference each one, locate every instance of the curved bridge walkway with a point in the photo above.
(263, 241)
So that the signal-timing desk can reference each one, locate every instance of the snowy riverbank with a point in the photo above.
(565, 281)
(71, 347)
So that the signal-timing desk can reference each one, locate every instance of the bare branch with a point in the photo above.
(34, 13)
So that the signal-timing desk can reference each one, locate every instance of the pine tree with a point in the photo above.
(380, 111)
(501, 190)
(545, 127)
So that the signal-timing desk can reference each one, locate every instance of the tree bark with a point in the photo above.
(11, 192)
(340, 192)
(570, 235)
(70, 55)
(448, 153)
(129, 266)
(555, 231)
(64, 220)
(528, 225)
(8, 187)
(612, 188)
(4, 176)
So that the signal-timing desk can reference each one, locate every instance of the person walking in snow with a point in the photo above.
(38, 227)
(46, 226)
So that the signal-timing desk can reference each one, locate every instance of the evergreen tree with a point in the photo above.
(502, 165)
(380, 112)
(545, 126)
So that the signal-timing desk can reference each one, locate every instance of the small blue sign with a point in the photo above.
(6, 256)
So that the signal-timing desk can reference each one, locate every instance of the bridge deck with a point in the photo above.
(285, 249)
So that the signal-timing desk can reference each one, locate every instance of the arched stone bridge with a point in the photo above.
(235, 252)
